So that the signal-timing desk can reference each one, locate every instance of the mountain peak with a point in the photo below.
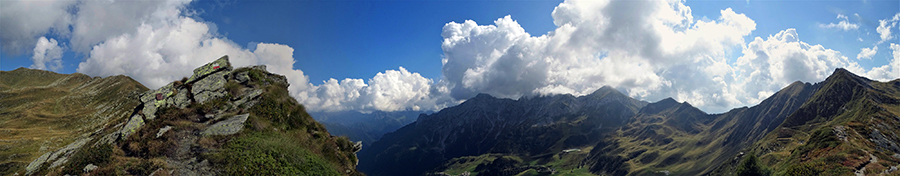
(605, 90)
(659, 106)
(841, 74)
(483, 96)
(844, 73)
(668, 100)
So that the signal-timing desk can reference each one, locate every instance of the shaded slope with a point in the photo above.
(484, 124)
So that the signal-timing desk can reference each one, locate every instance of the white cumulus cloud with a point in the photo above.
(867, 53)
(768, 65)
(47, 55)
(166, 45)
(24, 21)
(890, 71)
(844, 24)
(651, 49)
(884, 27)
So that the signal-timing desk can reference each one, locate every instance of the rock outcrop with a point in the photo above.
(179, 128)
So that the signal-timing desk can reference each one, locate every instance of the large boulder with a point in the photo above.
(210, 87)
(155, 99)
(227, 127)
(132, 126)
(210, 68)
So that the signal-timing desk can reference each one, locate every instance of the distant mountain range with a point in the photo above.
(835, 127)
(365, 127)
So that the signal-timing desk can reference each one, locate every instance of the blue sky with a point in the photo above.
(359, 39)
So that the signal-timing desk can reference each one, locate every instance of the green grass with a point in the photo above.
(42, 109)
(266, 154)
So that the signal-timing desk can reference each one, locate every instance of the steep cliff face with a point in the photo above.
(219, 121)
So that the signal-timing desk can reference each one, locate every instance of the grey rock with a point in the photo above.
(227, 127)
(180, 99)
(155, 99)
(840, 132)
(242, 77)
(210, 87)
(64, 152)
(132, 126)
(89, 167)
(883, 142)
(246, 97)
(163, 130)
(36, 164)
(210, 68)
(357, 146)
(259, 67)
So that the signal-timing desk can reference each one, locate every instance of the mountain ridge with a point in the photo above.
(660, 137)
(221, 120)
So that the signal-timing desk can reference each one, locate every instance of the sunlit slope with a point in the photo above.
(42, 111)
(850, 126)
(677, 138)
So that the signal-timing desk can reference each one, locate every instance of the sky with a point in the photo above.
(428, 55)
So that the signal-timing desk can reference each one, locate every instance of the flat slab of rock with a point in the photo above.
(200, 72)
(132, 126)
(210, 87)
(228, 126)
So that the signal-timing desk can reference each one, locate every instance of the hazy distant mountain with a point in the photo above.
(365, 127)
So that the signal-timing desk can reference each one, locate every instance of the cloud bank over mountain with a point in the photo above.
(648, 49)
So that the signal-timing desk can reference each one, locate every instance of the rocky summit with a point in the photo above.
(220, 121)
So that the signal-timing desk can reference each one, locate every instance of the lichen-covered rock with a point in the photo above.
(36, 164)
(89, 167)
(180, 99)
(155, 99)
(212, 67)
(246, 98)
(58, 157)
(227, 127)
(210, 87)
(163, 130)
(132, 126)
(242, 77)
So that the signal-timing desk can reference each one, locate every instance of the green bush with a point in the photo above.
(750, 166)
(277, 106)
(803, 169)
(99, 155)
(260, 154)
(233, 88)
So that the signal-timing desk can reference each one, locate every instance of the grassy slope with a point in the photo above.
(279, 138)
(807, 142)
(682, 140)
(41, 111)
